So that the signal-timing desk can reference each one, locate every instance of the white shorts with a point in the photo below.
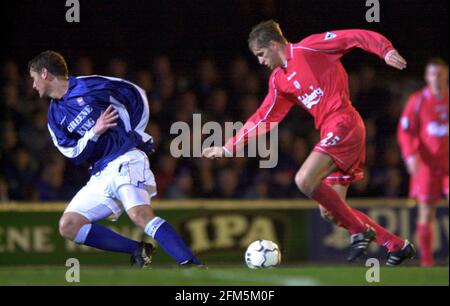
(124, 183)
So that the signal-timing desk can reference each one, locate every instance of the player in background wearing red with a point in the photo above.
(423, 137)
(310, 74)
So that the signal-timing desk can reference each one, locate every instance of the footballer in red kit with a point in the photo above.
(309, 74)
(423, 138)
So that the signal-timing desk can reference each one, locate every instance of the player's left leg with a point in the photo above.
(309, 179)
(429, 184)
(342, 192)
(137, 204)
(425, 233)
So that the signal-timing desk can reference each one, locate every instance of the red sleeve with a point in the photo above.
(271, 112)
(342, 41)
(409, 127)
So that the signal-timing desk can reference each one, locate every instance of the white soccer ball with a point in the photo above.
(262, 254)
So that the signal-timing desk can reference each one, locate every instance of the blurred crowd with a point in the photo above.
(33, 170)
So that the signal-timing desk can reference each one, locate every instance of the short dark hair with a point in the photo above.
(264, 32)
(53, 61)
(437, 61)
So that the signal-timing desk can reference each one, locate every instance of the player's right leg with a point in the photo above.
(70, 224)
(78, 223)
(425, 233)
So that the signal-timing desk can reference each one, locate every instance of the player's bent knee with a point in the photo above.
(427, 213)
(67, 229)
(304, 183)
(70, 225)
(141, 215)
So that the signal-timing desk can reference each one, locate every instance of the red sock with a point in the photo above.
(425, 233)
(384, 237)
(330, 199)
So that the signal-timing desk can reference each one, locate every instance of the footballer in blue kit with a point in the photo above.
(102, 120)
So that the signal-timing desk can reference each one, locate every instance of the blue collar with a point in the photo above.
(75, 88)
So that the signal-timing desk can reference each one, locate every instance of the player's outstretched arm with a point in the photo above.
(394, 59)
(338, 43)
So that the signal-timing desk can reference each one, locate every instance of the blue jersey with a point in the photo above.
(71, 119)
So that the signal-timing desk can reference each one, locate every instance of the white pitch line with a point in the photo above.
(274, 280)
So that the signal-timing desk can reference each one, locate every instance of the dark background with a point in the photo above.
(192, 57)
(188, 30)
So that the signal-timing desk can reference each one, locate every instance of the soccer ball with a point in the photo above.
(262, 254)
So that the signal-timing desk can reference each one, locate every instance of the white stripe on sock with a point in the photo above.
(152, 227)
(82, 234)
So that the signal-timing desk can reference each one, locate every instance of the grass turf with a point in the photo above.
(225, 275)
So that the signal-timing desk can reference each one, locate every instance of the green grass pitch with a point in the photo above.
(225, 275)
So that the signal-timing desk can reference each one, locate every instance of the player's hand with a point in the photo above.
(412, 165)
(106, 120)
(394, 59)
(213, 152)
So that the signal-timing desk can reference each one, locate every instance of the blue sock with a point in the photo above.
(170, 241)
(103, 238)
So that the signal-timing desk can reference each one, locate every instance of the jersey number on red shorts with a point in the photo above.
(330, 140)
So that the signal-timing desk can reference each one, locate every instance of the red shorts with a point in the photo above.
(428, 185)
(343, 138)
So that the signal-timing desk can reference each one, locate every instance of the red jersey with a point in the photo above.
(423, 129)
(313, 78)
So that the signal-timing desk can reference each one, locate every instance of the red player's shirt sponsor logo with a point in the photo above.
(309, 100)
(437, 130)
